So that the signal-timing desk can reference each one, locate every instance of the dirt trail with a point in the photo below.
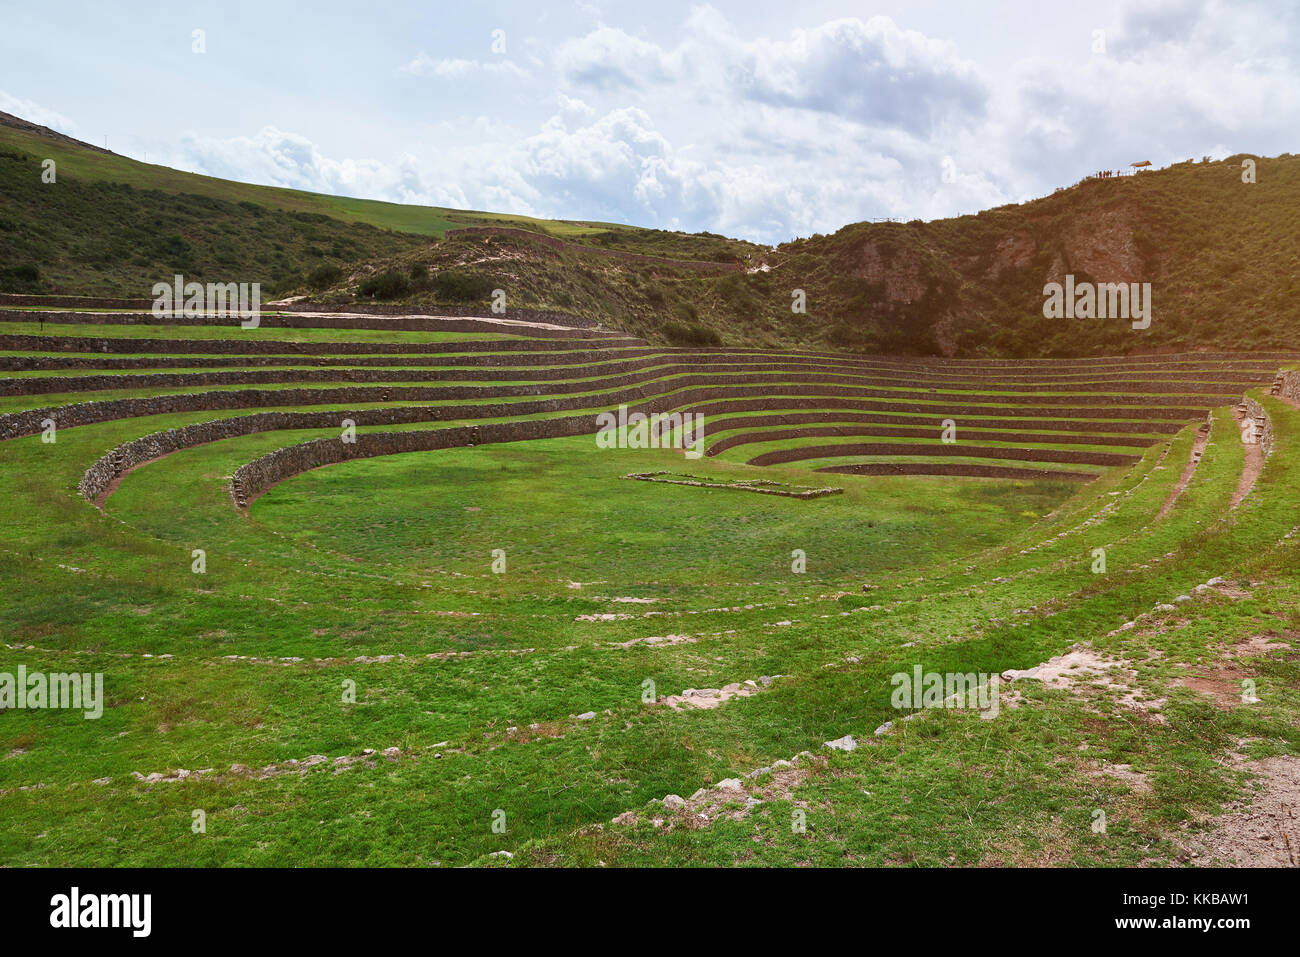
(1198, 448)
(1253, 466)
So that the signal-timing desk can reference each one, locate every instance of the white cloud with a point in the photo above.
(774, 137)
(427, 66)
(29, 110)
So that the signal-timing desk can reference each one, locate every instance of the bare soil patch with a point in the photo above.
(1258, 832)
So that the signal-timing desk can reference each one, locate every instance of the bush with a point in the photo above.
(452, 285)
(687, 312)
(386, 285)
(691, 334)
(24, 278)
(323, 276)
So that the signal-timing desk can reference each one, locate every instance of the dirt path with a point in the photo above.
(1253, 466)
(1198, 448)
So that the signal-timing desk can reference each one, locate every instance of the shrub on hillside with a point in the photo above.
(687, 313)
(386, 285)
(24, 278)
(324, 276)
(691, 334)
(453, 285)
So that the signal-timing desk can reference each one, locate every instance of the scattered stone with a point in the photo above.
(845, 743)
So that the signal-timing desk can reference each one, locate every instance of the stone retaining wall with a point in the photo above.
(255, 477)
(110, 346)
(781, 435)
(706, 401)
(16, 424)
(46, 385)
(1067, 456)
(693, 375)
(553, 316)
(969, 422)
(556, 362)
(1263, 424)
(957, 469)
(127, 456)
(73, 302)
(406, 322)
(548, 366)
(1290, 385)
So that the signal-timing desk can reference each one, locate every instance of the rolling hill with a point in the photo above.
(1221, 256)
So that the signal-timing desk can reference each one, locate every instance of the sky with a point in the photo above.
(763, 120)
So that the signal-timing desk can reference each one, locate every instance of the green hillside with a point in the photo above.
(1221, 256)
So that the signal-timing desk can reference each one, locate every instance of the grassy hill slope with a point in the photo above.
(1221, 256)
(110, 225)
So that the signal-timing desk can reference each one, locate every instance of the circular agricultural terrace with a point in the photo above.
(239, 525)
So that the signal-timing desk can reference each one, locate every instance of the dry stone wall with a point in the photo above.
(123, 458)
(18, 424)
(684, 398)
(1066, 456)
(687, 376)
(1263, 423)
(255, 477)
(1288, 385)
(1084, 426)
(405, 322)
(957, 469)
(110, 346)
(781, 435)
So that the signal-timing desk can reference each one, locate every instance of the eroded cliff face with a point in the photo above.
(1103, 247)
(928, 289)
(901, 277)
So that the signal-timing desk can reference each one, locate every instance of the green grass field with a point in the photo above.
(428, 658)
